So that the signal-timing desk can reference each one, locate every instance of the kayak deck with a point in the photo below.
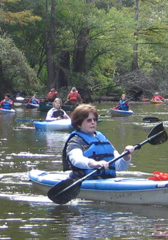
(32, 105)
(155, 102)
(2, 110)
(56, 125)
(120, 113)
(118, 190)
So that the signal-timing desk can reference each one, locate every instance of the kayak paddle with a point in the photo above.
(68, 189)
(20, 120)
(134, 96)
(151, 119)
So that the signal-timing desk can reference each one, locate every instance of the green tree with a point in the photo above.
(15, 73)
(92, 44)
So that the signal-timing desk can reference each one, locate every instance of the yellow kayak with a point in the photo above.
(155, 102)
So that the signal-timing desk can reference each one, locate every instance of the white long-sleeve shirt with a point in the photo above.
(77, 159)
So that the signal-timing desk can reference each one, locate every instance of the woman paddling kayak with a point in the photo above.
(56, 112)
(123, 103)
(7, 102)
(87, 149)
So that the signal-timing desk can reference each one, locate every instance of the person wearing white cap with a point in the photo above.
(157, 97)
(74, 97)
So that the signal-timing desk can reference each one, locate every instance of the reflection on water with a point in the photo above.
(81, 220)
(53, 140)
(25, 214)
(85, 220)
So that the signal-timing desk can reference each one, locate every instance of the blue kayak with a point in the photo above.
(56, 125)
(2, 110)
(32, 105)
(132, 190)
(120, 113)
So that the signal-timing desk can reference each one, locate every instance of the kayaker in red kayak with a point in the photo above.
(87, 149)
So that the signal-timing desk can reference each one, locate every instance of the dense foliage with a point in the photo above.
(101, 47)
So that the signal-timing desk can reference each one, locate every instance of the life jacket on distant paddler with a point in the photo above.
(34, 101)
(99, 148)
(73, 96)
(6, 105)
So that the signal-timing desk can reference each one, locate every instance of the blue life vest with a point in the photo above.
(34, 101)
(6, 105)
(123, 106)
(99, 148)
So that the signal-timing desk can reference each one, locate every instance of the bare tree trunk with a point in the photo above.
(63, 69)
(57, 74)
(79, 56)
(135, 65)
(50, 43)
(2, 82)
(5, 83)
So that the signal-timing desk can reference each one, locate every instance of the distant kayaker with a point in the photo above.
(56, 112)
(74, 97)
(52, 94)
(87, 149)
(123, 103)
(157, 97)
(7, 102)
(34, 100)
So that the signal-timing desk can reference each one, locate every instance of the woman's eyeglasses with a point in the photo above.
(89, 120)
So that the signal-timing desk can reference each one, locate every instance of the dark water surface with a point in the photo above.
(26, 214)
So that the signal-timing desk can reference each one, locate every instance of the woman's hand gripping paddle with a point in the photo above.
(68, 189)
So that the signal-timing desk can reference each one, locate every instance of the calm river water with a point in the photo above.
(26, 214)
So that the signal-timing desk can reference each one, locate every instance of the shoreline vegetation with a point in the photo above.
(100, 100)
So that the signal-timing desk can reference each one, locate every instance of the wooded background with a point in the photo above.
(101, 47)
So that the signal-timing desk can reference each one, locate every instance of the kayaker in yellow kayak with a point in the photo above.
(157, 97)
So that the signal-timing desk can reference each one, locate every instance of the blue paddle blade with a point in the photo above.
(20, 120)
(23, 120)
(158, 135)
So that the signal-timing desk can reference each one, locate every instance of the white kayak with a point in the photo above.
(120, 113)
(2, 110)
(20, 99)
(128, 190)
(56, 125)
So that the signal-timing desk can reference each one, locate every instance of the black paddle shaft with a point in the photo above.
(68, 189)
